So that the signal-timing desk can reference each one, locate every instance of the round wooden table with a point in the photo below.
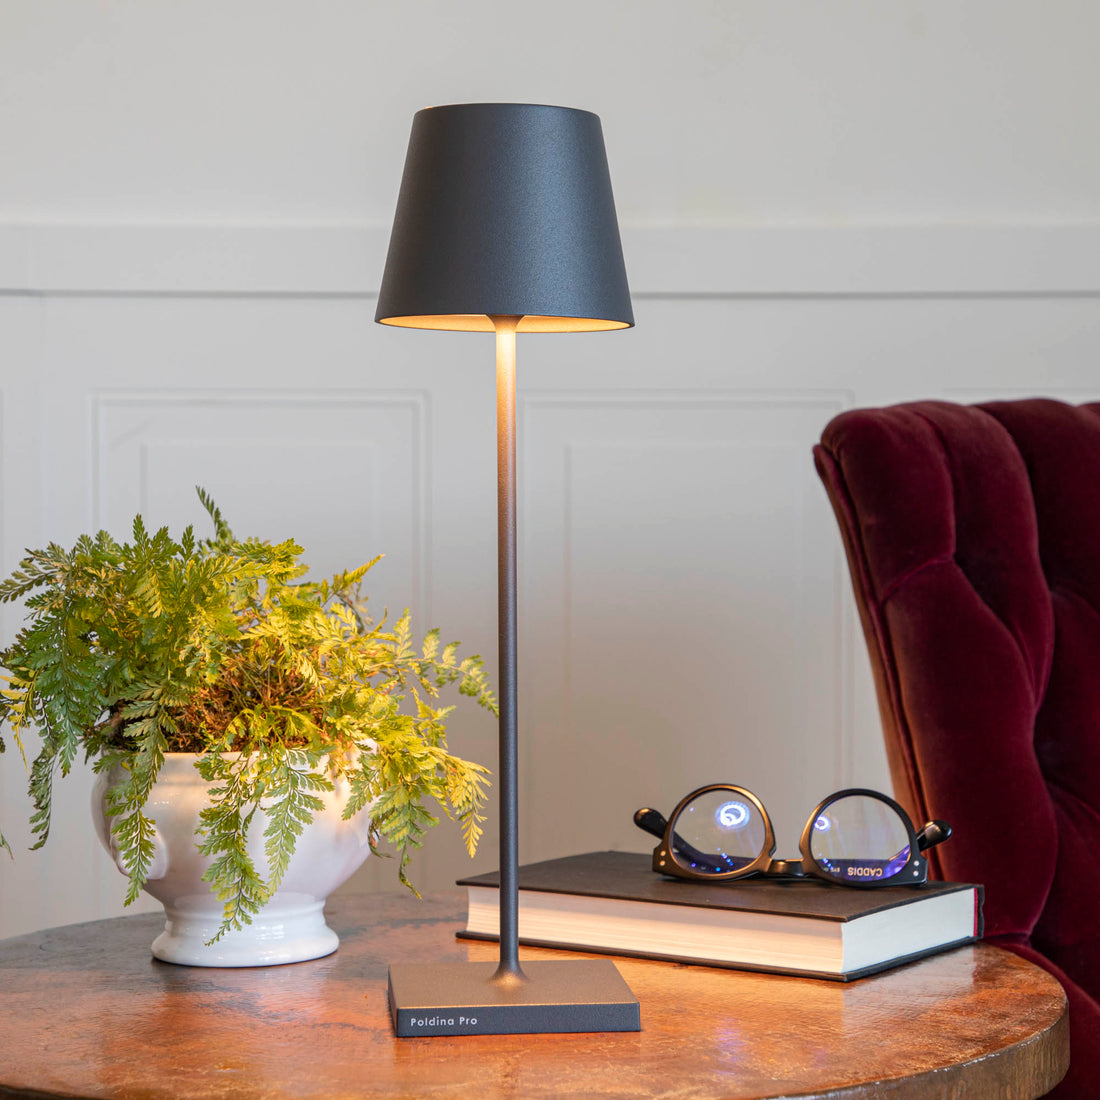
(86, 1011)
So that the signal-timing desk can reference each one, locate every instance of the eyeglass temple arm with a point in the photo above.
(651, 822)
(656, 823)
(932, 833)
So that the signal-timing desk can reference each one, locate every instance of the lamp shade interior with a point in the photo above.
(483, 322)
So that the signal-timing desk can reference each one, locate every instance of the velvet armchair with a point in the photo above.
(973, 540)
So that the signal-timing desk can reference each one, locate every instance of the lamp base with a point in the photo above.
(463, 999)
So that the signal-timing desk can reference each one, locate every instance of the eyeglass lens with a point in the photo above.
(857, 838)
(717, 832)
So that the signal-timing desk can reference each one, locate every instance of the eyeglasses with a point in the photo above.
(856, 837)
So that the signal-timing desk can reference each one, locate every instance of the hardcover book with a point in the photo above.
(613, 903)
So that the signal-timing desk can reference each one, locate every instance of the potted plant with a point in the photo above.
(235, 714)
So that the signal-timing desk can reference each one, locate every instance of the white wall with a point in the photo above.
(823, 204)
(732, 111)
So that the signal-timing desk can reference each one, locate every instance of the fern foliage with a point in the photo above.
(216, 646)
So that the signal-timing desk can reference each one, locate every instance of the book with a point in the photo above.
(613, 903)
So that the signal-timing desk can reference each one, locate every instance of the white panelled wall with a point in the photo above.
(204, 316)
(685, 611)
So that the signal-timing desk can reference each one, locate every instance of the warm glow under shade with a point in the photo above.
(481, 322)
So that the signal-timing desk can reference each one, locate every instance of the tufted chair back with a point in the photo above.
(973, 539)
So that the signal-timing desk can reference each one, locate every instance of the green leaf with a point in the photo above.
(291, 808)
(222, 533)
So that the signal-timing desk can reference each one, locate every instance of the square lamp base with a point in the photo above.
(462, 999)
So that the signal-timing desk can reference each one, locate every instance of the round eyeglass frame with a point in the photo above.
(914, 872)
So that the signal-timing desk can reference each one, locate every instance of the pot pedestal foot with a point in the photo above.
(275, 936)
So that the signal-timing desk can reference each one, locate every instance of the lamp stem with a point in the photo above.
(509, 970)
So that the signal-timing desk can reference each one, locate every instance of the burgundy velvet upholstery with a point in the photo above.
(973, 537)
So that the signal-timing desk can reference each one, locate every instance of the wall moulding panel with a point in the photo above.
(674, 538)
(151, 448)
(348, 259)
(262, 455)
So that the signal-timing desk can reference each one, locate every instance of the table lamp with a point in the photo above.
(506, 223)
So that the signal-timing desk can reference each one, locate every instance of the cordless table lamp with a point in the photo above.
(506, 223)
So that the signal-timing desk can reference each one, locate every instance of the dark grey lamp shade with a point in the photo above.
(505, 209)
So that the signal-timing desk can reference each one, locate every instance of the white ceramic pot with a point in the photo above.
(291, 927)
